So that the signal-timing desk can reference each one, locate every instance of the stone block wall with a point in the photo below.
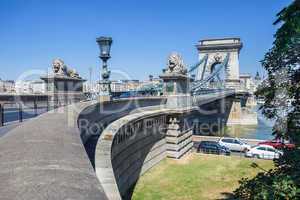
(129, 147)
(134, 155)
(179, 141)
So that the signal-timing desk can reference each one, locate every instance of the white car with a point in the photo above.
(234, 144)
(264, 152)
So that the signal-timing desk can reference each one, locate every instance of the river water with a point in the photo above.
(262, 131)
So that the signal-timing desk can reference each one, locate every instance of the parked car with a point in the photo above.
(278, 144)
(212, 147)
(234, 144)
(263, 152)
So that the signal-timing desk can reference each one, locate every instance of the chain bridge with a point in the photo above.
(99, 149)
(216, 71)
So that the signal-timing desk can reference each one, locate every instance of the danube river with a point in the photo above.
(262, 131)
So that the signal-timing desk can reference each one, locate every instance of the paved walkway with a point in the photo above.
(5, 129)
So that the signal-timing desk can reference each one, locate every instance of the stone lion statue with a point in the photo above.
(72, 73)
(59, 68)
(175, 64)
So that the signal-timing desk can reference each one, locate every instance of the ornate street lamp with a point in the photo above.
(104, 45)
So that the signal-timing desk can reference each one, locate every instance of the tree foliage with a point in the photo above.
(281, 91)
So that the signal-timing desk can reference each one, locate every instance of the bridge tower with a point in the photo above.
(216, 50)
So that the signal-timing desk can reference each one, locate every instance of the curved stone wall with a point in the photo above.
(93, 119)
(44, 158)
(128, 148)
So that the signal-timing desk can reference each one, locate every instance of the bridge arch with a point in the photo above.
(216, 50)
(218, 80)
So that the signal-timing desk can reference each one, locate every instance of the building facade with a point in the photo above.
(248, 83)
(7, 86)
(30, 87)
(122, 85)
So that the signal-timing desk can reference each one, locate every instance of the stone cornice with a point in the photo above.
(232, 46)
(57, 77)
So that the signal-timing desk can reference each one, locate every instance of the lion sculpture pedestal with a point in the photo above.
(64, 86)
(176, 82)
(176, 88)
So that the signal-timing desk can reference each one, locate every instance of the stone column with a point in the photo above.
(179, 141)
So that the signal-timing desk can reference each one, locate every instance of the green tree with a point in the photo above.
(281, 91)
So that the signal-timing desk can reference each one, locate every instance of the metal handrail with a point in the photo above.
(19, 110)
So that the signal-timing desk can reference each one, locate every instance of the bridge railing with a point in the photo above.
(18, 111)
(207, 95)
(211, 91)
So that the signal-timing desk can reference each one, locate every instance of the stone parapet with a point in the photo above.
(131, 145)
(179, 101)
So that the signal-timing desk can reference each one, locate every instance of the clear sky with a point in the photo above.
(145, 32)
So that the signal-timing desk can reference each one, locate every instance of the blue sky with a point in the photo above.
(34, 32)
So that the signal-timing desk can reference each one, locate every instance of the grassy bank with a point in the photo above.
(195, 177)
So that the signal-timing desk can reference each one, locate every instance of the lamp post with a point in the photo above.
(104, 45)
